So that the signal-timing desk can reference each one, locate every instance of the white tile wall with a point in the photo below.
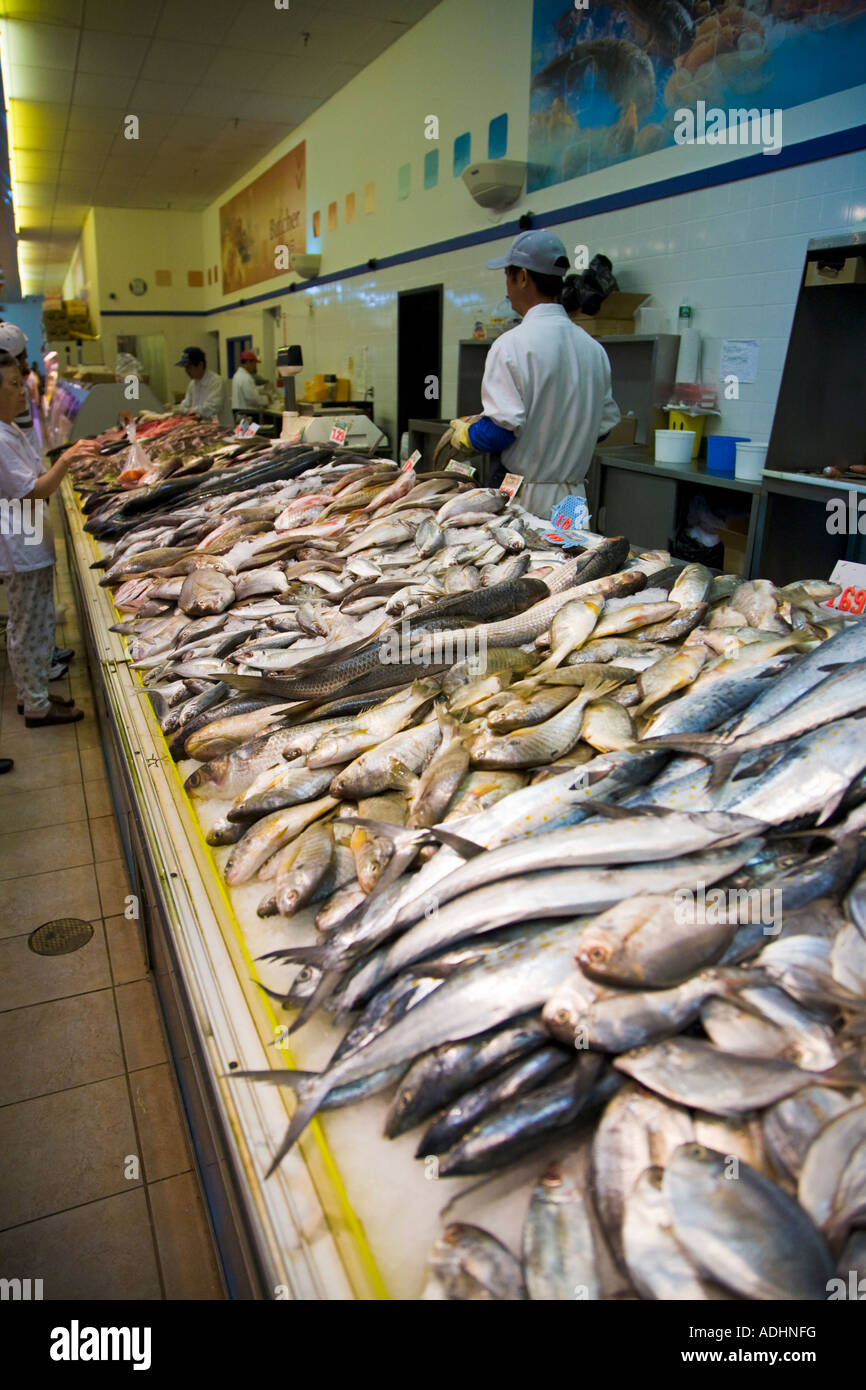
(734, 252)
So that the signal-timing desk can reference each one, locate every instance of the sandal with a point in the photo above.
(55, 715)
(58, 700)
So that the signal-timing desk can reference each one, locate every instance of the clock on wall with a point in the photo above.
(138, 286)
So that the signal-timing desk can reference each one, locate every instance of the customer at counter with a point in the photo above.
(245, 393)
(546, 388)
(27, 560)
(207, 394)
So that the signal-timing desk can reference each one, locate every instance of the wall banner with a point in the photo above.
(266, 216)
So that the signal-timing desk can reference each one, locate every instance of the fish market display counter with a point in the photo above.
(348, 1213)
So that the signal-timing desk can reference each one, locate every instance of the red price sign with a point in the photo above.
(338, 435)
(852, 600)
(563, 521)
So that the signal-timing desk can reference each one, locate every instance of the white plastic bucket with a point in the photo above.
(674, 446)
(750, 462)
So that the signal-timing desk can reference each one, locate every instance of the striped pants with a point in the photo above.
(30, 635)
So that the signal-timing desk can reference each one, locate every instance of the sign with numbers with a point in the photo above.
(338, 435)
(411, 461)
(511, 484)
(458, 466)
(246, 428)
(852, 600)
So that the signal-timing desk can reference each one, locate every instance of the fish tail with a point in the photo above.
(322, 993)
(300, 955)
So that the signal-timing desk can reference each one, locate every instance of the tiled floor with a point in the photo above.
(98, 1197)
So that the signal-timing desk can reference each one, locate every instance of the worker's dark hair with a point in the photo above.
(195, 357)
(548, 285)
(7, 360)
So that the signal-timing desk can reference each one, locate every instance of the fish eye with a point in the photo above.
(305, 974)
(562, 1016)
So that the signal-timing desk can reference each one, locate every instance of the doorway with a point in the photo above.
(419, 356)
(234, 348)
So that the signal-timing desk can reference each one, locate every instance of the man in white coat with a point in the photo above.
(245, 393)
(546, 389)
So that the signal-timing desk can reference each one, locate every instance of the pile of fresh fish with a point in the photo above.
(562, 840)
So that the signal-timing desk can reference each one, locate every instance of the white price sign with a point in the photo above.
(411, 461)
(338, 435)
(852, 600)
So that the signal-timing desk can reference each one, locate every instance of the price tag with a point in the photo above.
(458, 466)
(245, 429)
(852, 600)
(411, 461)
(511, 483)
(338, 435)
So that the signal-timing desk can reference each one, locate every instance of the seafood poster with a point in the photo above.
(610, 82)
(269, 214)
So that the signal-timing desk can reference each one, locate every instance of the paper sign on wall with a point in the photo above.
(740, 359)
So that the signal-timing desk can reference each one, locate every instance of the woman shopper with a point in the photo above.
(27, 559)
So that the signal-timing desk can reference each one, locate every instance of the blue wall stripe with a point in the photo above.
(806, 152)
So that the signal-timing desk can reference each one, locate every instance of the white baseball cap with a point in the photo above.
(12, 339)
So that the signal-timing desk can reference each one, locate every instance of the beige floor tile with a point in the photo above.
(106, 839)
(39, 743)
(25, 852)
(161, 1127)
(72, 1146)
(93, 765)
(98, 798)
(48, 806)
(87, 733)
(186, 1253)
(50, 1047)
(25, 903)
(140, 1025)
(32, 774)
(125, 950)
(26, 978)
(103, 1251)
(114, 886)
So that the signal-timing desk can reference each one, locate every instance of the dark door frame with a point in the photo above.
(403, 413)
(234, 348)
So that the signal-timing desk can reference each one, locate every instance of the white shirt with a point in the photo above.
(207, 397)
(26, 539)
(245, 394)
(549, 382)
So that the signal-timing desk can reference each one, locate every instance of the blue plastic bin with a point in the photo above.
(722, 453)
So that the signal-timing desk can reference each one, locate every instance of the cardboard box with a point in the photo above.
(733, 538)
(615, 317)
(623, 433)
(827, 270)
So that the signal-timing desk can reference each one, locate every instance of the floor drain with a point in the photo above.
(60, 937)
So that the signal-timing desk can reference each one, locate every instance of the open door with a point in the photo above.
(419, 357)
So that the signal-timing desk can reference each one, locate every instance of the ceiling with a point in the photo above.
(215, 85)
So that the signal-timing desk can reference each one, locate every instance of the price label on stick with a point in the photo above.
(338, 435)
(457, 466)
(851, 602)
(511, 484)
(411, 461)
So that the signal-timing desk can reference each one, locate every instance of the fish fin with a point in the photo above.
(832, 807)
(467, 848)
(402, 780)
(845, 1075)
(322, 993)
